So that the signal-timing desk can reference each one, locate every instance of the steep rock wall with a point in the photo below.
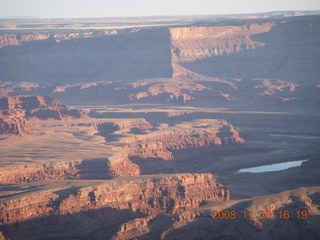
(86, 169)
(206, 133)
(148, 194)
(68, 58)
(281, 50)
(195, 43)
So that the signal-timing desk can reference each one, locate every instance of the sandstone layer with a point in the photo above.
(31, 173)
(15, 113)
(168, 194)
(171, 149)
(39, 107)
(195, 43)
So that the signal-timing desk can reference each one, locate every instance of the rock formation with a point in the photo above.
(255, 226)
(15, 113)
(194, 43)
(187, 136)
(14, 124)
(40, 107)
(176, 92)
(172, 149)
(225, 62)
(142, 169)
(147, 195)
(47, 172)
(122, 166)
(131, 124)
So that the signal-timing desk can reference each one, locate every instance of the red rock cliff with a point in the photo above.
(15, 112)
(195, 43)
(148, 194)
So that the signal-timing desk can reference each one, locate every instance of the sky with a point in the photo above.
(134, 8)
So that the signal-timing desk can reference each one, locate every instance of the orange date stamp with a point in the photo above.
(303, 214)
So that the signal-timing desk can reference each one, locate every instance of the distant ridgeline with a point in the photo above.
(265, 61)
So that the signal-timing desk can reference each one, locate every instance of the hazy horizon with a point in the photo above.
(144, 8)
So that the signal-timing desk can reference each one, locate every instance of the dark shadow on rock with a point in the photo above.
(63, 194)
(206, 228)
(92, 224)
(224, 132)
(315, 197)
(14, 187)
(137, 131)
(193, 160)
(107, 130)
(95, 168)
(153, 165)
(157, 226)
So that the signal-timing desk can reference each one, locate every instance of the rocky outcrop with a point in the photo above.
(40, 107)
(128, 125)
(173, 149)
(6, 88)
(123, 126)
(254, 225)
(194, 43)
(149, 194)
(15, 40)
(271, 86)
(64, 88)
(7, 40)
(149, 150)
(46, 172)
(162, 144)
(14, 124)
(122, 166)
(171, 92)
(133, 228)
(15, 113)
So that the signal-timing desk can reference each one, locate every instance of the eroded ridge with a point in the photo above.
(145, 194)
(16, 111)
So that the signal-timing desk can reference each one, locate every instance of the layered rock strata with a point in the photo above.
(148, 194)
(15, 113)
(40, 107)
(164, 143)
(84, 169)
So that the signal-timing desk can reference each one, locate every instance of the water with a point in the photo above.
(273, 167)
(295, 136)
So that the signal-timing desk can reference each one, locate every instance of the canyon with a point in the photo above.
(139, 148)
(137, 128)
(176, 65)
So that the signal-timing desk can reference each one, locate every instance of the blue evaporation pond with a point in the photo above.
(273, 167)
